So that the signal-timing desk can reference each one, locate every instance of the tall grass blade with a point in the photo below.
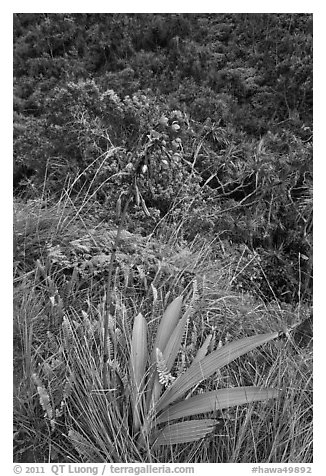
(173, 345)
(208, 365)
(83, 446)
(216, 400)
(184, 432)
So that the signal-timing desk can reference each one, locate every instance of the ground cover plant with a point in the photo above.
(162, 239)
(59, 316)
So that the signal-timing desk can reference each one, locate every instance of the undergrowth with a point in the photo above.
(60, 272)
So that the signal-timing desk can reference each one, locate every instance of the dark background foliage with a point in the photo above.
(221, 102)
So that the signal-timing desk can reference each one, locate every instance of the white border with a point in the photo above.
(319, 187)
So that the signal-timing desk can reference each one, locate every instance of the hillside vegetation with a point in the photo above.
(162, 167)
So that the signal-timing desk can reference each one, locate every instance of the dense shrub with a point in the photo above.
(218, 107)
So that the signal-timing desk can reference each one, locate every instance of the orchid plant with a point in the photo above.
(158, 399)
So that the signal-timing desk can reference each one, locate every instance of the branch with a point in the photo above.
(108, 302)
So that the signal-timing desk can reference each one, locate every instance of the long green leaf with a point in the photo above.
(167, 325)
(203, 349)
(165, 329)
(184, 432)
(216, 400)
(138, 360)
(208, 365)
(171, 350)
(173, 345)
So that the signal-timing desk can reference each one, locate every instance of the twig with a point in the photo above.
(133, 192)
(108, 302)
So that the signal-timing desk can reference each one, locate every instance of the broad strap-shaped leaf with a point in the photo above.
(203, 350)
(173, 345)
(171, 350)
(184, 432)
(165, 329)
(208, 365)
(138, 359)
(216, 400)
(167, 325)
